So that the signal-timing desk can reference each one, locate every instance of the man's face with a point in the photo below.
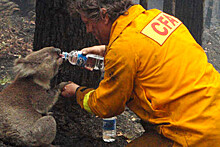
(99, 29)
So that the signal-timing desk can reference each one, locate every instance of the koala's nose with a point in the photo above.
(57, 50)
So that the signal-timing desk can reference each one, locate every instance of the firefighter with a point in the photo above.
(154, 66)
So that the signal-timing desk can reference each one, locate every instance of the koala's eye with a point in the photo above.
(47, 55)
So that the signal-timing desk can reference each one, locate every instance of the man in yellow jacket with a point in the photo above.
(155, 67)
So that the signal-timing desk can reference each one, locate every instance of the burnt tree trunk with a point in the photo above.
(144, 3)
(169, 6)
(55, 27)
(209, 14)
(190, 12)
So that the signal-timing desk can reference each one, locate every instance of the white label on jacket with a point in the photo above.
(161, 27)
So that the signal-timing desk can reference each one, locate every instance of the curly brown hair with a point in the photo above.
(92, 8)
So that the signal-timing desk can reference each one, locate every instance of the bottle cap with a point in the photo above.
(64, 55)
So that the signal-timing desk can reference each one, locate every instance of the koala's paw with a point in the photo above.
(49, 113)
(62, 85)
(44, 130)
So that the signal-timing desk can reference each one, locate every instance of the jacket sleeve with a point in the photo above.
(110, 98)
(81, 97)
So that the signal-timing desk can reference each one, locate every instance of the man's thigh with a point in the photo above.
(151, 139)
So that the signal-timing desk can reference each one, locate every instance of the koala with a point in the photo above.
(24, 104)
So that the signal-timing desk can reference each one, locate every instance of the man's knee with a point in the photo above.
(151, 139)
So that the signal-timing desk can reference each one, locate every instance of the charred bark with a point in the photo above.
(209, 14)
(190, 12)
(144, 3)
(56, 27)
(169, 6)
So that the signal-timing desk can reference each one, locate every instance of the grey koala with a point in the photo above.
(26, 101)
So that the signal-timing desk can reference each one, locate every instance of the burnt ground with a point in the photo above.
(76, 127)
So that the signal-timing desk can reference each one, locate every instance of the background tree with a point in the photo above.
(209, 14)
(190, 12)
(56, 27)
(169, 6)
(144, 3)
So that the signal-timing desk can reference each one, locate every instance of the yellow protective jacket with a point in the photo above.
(155, 67)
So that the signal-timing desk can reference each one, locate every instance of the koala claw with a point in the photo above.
(62, 85)
(49, 113)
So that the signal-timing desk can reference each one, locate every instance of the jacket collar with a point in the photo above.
(123, 21)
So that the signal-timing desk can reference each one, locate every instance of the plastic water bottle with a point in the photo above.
(109, 129)
(89, 61)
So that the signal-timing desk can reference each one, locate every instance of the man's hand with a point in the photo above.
(98, 50)
(69, 90)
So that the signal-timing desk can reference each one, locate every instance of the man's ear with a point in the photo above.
(104, 15)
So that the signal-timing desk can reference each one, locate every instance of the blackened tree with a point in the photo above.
(169, 6)
(190, 12)
(56, 27)
(144, 3)
(209, 14)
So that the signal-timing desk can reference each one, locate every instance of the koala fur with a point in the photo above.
(24, 103)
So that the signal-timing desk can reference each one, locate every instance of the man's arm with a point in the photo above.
(114, 90)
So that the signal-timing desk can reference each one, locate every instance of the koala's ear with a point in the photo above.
(22, 68)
